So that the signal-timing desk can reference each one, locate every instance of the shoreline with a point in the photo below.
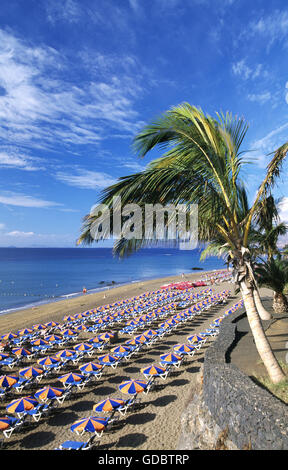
(55, 310)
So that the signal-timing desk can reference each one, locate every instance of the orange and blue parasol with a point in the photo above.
(22, 404)
(133, 386)
(109, 404)
(7, 381)
(91, 424)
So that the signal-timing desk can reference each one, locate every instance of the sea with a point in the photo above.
(33, 276)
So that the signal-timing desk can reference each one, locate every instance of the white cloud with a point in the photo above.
(22, 200)
(260, 98)
(247, 72)
(86, 179)
(261, 148)
(12, 160)
(272, 28)
(41, 108)
(18, 233)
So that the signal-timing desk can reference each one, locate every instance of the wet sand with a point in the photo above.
(155, 423)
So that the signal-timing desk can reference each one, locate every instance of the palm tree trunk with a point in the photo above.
(280, 303)
(264, 315)
(263, 347)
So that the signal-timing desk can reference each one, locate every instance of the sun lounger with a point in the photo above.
(76, 445)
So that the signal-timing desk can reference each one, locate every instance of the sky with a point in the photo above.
(80, 78)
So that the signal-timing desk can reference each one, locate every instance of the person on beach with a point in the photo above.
(84, 290)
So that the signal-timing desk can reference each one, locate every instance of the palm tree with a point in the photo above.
(200, 165)
(273, 274)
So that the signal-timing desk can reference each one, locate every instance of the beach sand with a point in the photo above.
(155, 424)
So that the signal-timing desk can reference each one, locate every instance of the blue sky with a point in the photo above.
(79, 78)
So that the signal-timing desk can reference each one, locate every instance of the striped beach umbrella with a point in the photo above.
(81, 328)
(39, 342)
(48, 361)
(71, 377)
(39, 326)
(133, 342)
(153, 370)
(149, 333)
(170, 358)
(183, 348)
(90, 367)
(95, 339)
(4, 356)
(21, 352)
(91, 424)
(107, 359)
(109, 404)
(121, 349)
(8, 380)
(53, 338)
(83, 347)
(195, 339)
(25, 331)
(29, 372)
(64, 353)
(106, 336)
(9, 336)
(52, 324)
(69, 332)
(5, 423)
(69, 318)
(48, 392)
(22, 404)
(141, 338)
(132, 386)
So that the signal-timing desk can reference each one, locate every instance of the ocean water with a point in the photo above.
(30, 276)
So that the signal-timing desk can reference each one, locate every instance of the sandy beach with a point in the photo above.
(155, 423)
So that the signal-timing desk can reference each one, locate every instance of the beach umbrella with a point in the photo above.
(29, 372)
(71, 377)
(9, 336)
(90, 367)
(69, 332)
(25, 331)
(106, 336)
(48, 393)
(109, 404)
(141, 338)
(48, 361)
(183, 348)
(170, 358)
(52, 324)
(69, 318)
(133, 342)
(53, 338)
(94, 340)
(4, 356)
(107, 359)
(91, 424)
(153, 370)
(83, 347)
(39, 326)
(150, 333)
(195, 339)
(22, 404)
(81, 328)
(8, 380)
(39, 342)
(5, 423)
(21, 352)
(65, 353)
(121, 349)
(132, 386)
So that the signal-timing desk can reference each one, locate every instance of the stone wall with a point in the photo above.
(251, 416)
